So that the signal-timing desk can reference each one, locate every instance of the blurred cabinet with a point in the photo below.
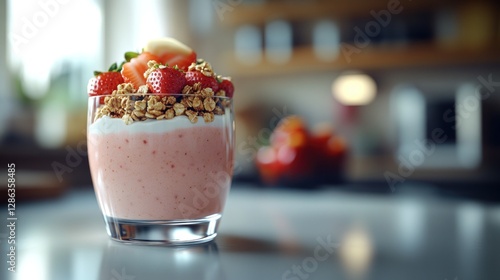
(343, 35)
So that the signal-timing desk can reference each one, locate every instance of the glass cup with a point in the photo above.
(161, 165)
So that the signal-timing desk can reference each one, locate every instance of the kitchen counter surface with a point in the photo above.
(269, 234)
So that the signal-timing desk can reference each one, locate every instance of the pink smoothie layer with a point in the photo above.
(157, 172)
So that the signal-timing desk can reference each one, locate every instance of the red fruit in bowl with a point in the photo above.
(336, 147)
(291, 131)
(133, 70)
(166, 80)
(283, 163)
(329, 152)
(292, 154)
(292, 123)
(320, 136)
(297, 156)
(227, 86)
(193, 77)
(297, 161)
(269, 167)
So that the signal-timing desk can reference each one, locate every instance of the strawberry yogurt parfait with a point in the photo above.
(160, 145)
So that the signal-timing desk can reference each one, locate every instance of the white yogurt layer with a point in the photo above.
(108, 125)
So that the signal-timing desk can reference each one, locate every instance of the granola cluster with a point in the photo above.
(131, 105)
(204, 67)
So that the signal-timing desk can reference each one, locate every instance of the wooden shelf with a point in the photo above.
(261, 13)
(386, 56)
(380, 58)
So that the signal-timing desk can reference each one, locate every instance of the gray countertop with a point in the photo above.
(270, 234)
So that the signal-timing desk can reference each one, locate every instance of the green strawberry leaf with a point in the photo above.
(113, 67)
(120, 67)
(130, 55)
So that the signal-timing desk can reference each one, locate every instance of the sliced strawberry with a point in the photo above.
(133, 70)
(193, 77)
(166, 80)
(180, 60)
(171, 52)
(227, 86)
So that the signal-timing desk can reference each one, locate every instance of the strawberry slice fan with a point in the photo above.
(135, 66)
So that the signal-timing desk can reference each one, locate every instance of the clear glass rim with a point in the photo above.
(158, 94)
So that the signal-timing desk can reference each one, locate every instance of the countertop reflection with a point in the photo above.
(141, 262)
(271, 234)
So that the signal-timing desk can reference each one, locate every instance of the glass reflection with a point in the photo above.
(470, 224)
(410, 221)
(356, 252)
(122, 261)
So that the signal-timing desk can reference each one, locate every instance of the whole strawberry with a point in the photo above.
(166, 80)
(227, 86)
(193, 77)
(105, 82)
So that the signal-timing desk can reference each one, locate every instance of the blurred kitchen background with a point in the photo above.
(407, 90)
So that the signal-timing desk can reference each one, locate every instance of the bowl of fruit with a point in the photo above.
(299, 157)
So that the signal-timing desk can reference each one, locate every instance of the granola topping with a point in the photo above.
(132, 106)
(202, 66)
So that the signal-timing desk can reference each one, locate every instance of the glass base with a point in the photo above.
(168, 232)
